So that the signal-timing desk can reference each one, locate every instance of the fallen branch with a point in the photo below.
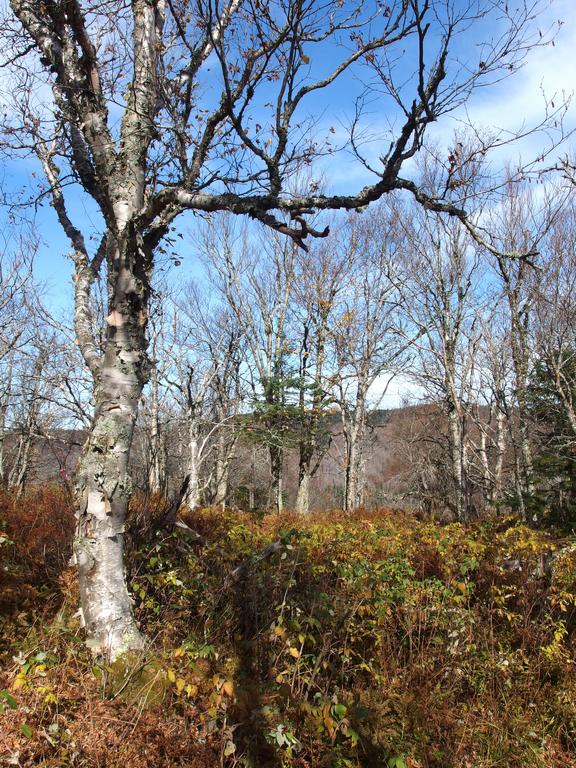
(264, 554)
(168, 519)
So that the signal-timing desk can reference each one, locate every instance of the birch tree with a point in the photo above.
(154, 108)
(552, 382)
(320, 278)
(441, 302)
(555, 311)
(153, 414)
(226, 345)
(16, 283)
(257, 280)
(491, 409)
(522, 221)
(367, 331)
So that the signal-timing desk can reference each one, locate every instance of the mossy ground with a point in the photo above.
(371, 640)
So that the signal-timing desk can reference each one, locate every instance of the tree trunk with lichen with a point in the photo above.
(303, 495)
(103, 484)
(354, 427)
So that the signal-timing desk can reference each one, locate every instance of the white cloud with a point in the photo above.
(519, 103)
(515, 105)
(549, 70)
(395, 392)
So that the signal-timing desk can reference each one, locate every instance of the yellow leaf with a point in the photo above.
(171, 675)
(191, 690)
(19, 681)
(178, 652)
(180, 683)
(294, 652)
(228, 688)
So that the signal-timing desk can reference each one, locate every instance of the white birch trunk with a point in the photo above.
(19, 472)
(102, 482)
(3, 413)
(156, 464)
(500, 452)
(351, 472)
(276, 479)
(303, 496)
(354, 434)
(192, 498)
(221, 470)
(455, 437)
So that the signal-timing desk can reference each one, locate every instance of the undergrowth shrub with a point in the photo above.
(36, 532)
(40, 525)
(373, 640)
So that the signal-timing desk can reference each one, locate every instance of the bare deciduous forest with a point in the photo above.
(287, 468)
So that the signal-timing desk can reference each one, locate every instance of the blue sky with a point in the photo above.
(516, 101)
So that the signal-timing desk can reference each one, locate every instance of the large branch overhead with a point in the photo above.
(173, 153)
(296, 208)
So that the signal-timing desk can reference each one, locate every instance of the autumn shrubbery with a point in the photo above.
(37, 529)
(41, 525)
(372, 640)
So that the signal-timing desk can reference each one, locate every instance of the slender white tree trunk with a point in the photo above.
(276, 472)
(103, 484)
(303, 497)
(192, 498)
(3, 413)
(156, 462)
(487, 481)
(354, 433)
(19, 472)
(500, 452)
(221, 470)
(351, 476)
(252, 487)
(455, 437)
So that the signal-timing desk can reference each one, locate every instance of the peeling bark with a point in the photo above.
(102, 482)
